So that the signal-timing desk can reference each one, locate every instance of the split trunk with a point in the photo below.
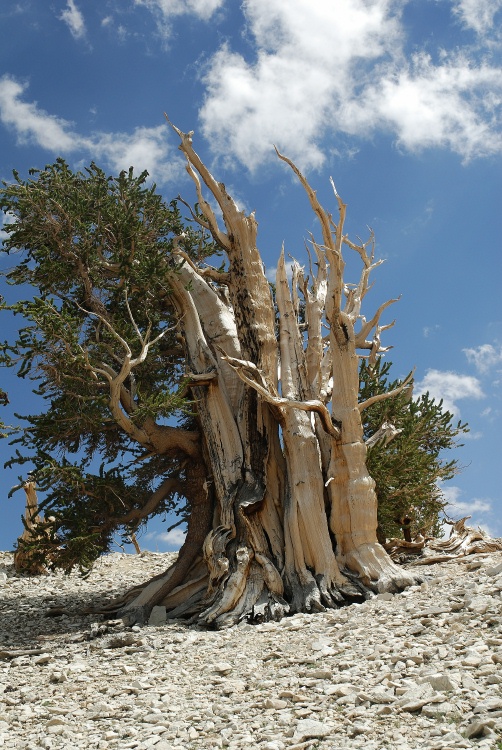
(284, 512)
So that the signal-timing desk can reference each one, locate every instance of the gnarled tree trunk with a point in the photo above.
(290, 509)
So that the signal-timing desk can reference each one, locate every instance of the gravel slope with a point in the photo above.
(421, 669)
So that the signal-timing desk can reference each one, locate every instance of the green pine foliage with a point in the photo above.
(408, 471)
(93, 249)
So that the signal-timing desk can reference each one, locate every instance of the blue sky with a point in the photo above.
(400, 101)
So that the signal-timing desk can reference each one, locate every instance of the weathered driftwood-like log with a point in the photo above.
(14, 653)
(397, 548)
(463, 540)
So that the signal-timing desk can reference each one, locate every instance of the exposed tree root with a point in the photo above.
(249, 587)
(377, 571)
(400, 549)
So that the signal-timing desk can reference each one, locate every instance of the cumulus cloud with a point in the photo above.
(172, 539)
(450, 387)
(306, 56)
(478, 15)
(329, 68)
(166, 10)
(451, 105)
(478, 508)
(32, 124)
(74, 19)
(5, 218)
(476, 505)
(144, 148)
(484, 357)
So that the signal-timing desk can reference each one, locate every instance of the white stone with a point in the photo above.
(386, 596)
(320, 644)
(309, 729)
(438, 710)
(494, 570)
(42, 659)
(480, 604)
(275, 703)
(442, 681)
(222, 667)
(379, 695)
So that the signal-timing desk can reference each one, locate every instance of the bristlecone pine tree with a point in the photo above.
(410, 461)
(131, 330)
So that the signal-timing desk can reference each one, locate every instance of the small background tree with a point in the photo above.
(409, 469)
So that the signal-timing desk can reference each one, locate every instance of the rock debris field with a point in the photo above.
(420, 669)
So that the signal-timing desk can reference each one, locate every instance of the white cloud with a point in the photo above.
(476, 505)
(74, 20)
(145, 148)
(166, 10)
(451, 387)
(431, 330)
(5, 218)
(484, 357)
(306, 57)
(327, 68)
(455, 104)
(173, 539)
(472, 435)
(477, 14)
(451, 492)
(271, 272)
(31, 124)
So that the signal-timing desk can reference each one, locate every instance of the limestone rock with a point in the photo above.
(442, 681)
(307, 729)
(275, 703)
(494, 570)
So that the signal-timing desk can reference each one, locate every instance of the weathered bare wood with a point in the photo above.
(396, 547)
(305, 514)
(14, 653)
(463, 540)
(250, 374)
(384, 434)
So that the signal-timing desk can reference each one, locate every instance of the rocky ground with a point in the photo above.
(421, 669)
